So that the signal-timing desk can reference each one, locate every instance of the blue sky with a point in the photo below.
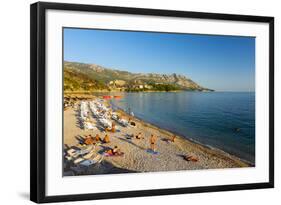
(223, 63)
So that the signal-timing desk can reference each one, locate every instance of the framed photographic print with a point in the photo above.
(129, 102)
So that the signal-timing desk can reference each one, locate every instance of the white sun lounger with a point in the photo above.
(89, 155)
(81, 151)
(105, 123)
(123, 122)
(71, 152)
(90, 162)
(89, 126)
(114, 117)
(78, 160)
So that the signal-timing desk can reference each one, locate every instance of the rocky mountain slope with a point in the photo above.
(100, 78)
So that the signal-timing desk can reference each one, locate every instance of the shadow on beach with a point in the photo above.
(105, 167)
(79, 122)
(170, 155)
(130, 142)
(102, 167)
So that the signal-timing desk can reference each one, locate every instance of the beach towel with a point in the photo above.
(191, 158)
(152, 152)
(113, 155)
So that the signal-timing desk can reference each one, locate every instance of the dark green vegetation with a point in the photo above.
(90, 77)
(154, 87)
(75, 81)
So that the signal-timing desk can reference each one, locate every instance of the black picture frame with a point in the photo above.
(38, 100)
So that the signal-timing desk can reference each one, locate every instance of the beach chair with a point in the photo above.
(90, 154)
(78, 160)
(97, 159)
(114, 117)
(89, 126)
(113, 155)
(81, 151)
(123, 122)
(72, 153)
(68, 158)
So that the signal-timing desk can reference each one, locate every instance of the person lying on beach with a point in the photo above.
(190, 158)
(139, 136)
(152, 140)
(168, 140)
(112, 129)
(173, 138)
(97, 138)
(114, 151)
(106, 139)
(89, 140)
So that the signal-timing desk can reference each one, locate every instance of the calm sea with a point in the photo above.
(224, 120)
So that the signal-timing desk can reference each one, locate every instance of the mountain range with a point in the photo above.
(92, 77)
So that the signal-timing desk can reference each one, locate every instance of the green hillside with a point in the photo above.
(75, 81)
(91, 77)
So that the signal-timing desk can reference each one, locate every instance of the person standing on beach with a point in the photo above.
(173, 138)
(97, 138)
(153, 139)
(89, 140)
(106, 139)
(113, 127)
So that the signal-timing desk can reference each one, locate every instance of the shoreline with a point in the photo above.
(136, 158)
(189, 140)
(143, 91)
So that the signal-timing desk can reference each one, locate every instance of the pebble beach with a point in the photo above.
(137, 156)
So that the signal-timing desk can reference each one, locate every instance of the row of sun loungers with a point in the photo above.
(84, 116)
(123, 122)
(89, 126)
(84, 156)
(84, 110)
(101, 113)
(105, 123)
